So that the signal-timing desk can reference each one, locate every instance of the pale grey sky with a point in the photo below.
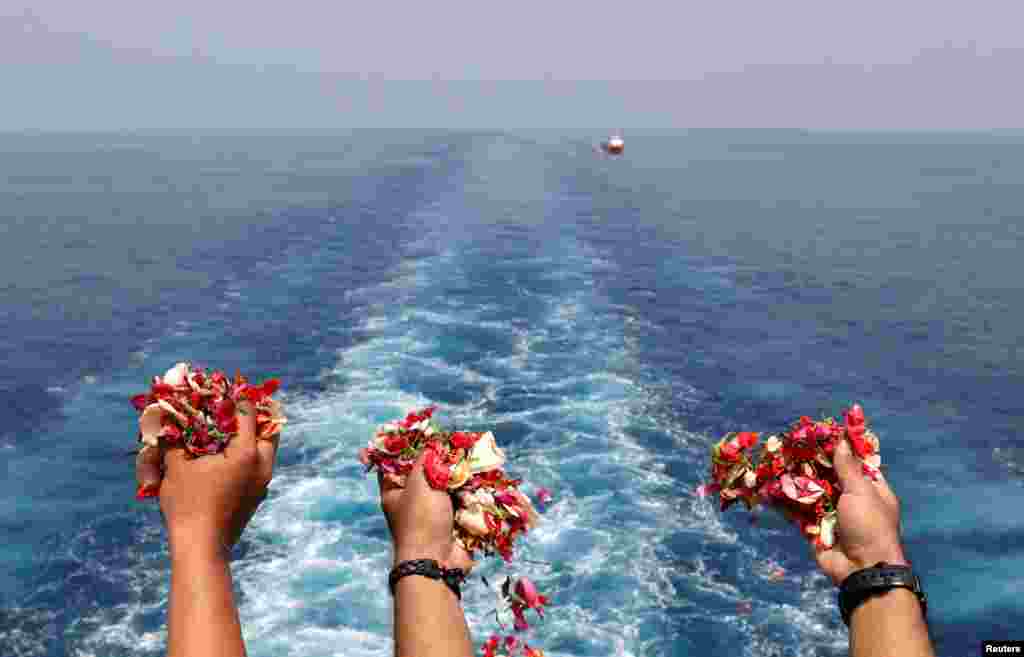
(69, 64)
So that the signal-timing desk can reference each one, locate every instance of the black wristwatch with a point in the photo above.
(452, 577)
(880, 578)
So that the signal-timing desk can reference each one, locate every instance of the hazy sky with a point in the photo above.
(68, 64)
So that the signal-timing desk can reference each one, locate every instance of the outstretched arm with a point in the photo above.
(429, 620)
(890, 623)
(206, 503)
(203, 618)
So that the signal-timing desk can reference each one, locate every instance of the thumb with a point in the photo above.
(848, 467)
(148, 472)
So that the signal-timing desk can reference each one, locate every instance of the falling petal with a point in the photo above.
(708, 489)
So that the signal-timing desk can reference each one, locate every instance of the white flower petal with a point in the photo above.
(473, 521)
(150, 424)
(175, 413)
(828, 530)
(486, 455)
(809, 499)
(177, 375)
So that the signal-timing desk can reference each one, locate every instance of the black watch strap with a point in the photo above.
(881, 577)
(452, 577)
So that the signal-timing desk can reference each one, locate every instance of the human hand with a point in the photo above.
(421, 520)
(208, 501)
(868, 530)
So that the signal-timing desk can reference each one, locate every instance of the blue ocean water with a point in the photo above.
(608, 319)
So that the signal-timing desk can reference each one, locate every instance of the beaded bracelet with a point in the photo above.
(452, 577)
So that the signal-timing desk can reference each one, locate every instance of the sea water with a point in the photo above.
(608, 319)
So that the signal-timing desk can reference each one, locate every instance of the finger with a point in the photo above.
(833, 563)
(887, 492)
(246, 414)
(849, 469)
(149, 467)
(390, 494)
(267, 450)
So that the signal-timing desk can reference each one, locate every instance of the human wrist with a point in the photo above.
(198, 540)
(897, 600)
(890, 552)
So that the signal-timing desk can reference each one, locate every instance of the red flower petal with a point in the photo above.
(143, 492)
(463, 440)
(747, 439)
(436, 471)
(855, 416)
(396, 444)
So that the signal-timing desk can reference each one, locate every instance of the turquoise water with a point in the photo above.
(606, 318)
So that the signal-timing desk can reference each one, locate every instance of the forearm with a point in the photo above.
(203, 619)
(429, 621)
(889, 624)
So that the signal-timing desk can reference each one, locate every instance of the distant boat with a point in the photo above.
(614, 145)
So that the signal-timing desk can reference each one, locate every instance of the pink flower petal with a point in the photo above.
(789, 487)
(707, 489)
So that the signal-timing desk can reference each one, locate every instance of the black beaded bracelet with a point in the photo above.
(452, 577)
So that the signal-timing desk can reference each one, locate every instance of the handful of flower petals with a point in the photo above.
(793, 472)
(195, 409)
(491, 512)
